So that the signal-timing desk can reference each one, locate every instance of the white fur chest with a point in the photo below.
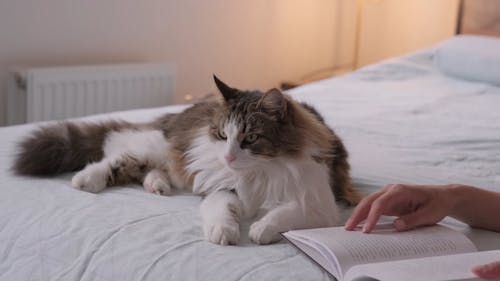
(204, 161)
(287, 180)
(265, 185)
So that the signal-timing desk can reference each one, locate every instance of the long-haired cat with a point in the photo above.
(253, 155)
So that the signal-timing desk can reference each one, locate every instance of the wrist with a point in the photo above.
(457, 195)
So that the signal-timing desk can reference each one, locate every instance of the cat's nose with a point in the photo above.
(229, 158)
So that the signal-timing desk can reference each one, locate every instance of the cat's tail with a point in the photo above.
(63, 147)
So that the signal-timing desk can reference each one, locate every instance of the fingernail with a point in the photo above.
(365, 229)
(481, 270)
(478, 269)
(347, 223)
(486, 267)
(399, 224)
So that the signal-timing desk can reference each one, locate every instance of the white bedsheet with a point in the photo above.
(401, 121)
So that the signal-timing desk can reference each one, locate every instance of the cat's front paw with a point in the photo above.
(156, 182)
(262, 233)
(222, 233)
(91, 179)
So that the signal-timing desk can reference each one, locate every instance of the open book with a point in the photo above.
(429, 253)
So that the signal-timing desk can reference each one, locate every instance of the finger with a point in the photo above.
(387, 204)
(372, 218)
(378, 208)
(361, 211)
(490, 271)
(424, 216)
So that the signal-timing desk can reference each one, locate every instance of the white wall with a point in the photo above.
(394, 27)
(249, 44)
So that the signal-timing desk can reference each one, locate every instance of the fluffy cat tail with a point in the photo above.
(63, 147)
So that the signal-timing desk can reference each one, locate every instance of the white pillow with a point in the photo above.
(470, 57)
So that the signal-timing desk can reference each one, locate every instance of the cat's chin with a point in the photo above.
(236, 167)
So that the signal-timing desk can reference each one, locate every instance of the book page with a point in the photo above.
(454, 267)
(317, 254)
(350, 248)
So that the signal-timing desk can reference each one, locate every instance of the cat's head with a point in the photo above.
(256, 127)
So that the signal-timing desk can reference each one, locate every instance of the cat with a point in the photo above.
(251, 154)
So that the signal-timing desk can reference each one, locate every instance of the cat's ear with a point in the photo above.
(274, 103)
(227, 92)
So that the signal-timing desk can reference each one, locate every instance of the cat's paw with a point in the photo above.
(156, 182)
(262, 233)
(91, 179)
(222, 233)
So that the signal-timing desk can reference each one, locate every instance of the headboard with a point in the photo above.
(479, 17)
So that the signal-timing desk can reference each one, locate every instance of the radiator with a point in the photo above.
(54, 93)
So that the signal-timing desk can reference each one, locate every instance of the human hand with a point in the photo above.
(414, 205)
(490, 271)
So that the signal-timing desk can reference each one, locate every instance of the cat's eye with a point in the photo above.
(251, 138)
(221, 134)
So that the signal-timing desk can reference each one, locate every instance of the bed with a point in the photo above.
(402, 121)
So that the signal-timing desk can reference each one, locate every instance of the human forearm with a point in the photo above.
(476, 207)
